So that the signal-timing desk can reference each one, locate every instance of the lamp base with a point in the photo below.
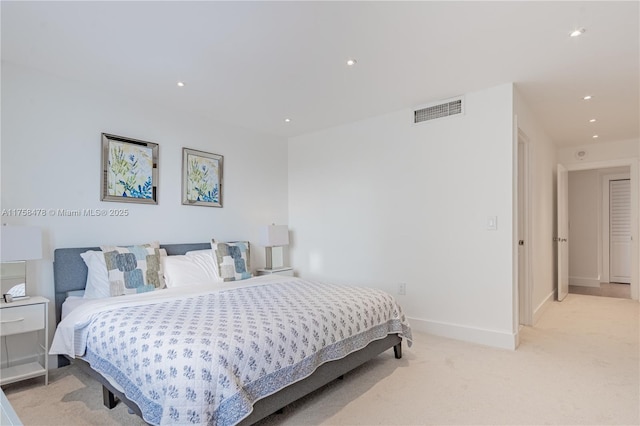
(274, 258)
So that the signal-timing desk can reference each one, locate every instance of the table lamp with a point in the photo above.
(19, 244)
(274, 236)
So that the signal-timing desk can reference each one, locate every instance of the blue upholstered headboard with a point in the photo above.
(70, 271)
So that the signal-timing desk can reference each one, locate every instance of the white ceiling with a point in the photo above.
(254, 63)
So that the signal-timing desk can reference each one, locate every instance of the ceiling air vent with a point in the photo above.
(439, 110)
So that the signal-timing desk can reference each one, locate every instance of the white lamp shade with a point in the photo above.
(274, 236)
(20, 243)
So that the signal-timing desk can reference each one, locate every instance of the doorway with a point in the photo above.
(600, 243)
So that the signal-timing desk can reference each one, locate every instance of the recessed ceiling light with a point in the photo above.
(351, 62)
(595, 136)
(586, 98)
(576, 33)
(181, 84)
(593, 120)
(287, 120)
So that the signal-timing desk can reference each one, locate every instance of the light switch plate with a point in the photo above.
(492, 223)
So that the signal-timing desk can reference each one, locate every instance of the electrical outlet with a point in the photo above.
(402, 289)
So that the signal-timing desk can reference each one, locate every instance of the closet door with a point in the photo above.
(620, 231)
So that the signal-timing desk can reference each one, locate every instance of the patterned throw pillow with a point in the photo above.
(133, 269)
(232, 259)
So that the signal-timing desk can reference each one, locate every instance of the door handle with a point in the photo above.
(13, 320)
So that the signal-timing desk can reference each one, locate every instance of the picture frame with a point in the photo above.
(129, 170)
(202, 178)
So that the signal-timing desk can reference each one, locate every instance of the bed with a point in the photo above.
(293, 359)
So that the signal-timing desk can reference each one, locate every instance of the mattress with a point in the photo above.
(71, 303)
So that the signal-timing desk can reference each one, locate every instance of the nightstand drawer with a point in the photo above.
(21, 319)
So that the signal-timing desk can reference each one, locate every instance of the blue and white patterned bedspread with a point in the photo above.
(208, 357)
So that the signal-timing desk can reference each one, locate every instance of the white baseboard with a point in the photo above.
(495, 338)
(584, 282)
(539, 310)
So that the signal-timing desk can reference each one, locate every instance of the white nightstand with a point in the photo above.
(30, 315)
(287, 270)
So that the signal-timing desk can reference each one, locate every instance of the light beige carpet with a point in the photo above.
(579, 365)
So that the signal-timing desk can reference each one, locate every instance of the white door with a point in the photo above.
(524, 298)
(521, 264)
(620, 231)
(562, 240)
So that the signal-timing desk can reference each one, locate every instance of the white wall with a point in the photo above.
(51, 160)
(383, 201)
(584, 228)
(542, 210)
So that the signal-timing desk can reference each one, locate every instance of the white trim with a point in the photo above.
(483, 336)
(537, 313)
(584, 281)
(601, 164)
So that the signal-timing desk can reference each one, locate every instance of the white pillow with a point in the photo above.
(97, 277)
(98, 285)
(206, 260)
(185, 270)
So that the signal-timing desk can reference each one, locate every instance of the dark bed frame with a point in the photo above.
(70, 274)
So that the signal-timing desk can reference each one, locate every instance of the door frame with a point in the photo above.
(634, 166)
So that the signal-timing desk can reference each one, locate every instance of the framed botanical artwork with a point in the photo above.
(129, 170)
(201, 178)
